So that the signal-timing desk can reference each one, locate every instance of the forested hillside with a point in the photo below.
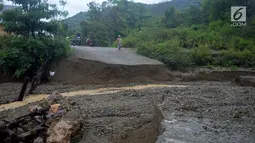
(153, 9)
(160, 8)
(189, 33)
(74, 22)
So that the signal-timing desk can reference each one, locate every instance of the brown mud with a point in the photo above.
(245, 81)
(121, 117)
(195, 112)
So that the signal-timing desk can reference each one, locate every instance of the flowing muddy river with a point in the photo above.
(192, 112)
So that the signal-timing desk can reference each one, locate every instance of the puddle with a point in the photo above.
(100, 91)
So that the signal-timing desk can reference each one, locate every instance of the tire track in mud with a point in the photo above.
(35, 98)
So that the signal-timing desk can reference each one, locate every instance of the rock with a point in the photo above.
(54, 108)
(38, 140)
(73, 103)
(61, 131)
(20, 131)
(54, 97)
(34, 108)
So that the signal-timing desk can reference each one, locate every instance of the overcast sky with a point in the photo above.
(76, 6)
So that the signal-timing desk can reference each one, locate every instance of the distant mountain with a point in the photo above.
(160, 8)
(74, 21)
(154, 9)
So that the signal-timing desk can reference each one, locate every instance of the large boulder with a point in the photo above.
(63, 130)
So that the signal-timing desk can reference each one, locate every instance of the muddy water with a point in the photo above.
(36, 98)
(184, 130)
(194, 130)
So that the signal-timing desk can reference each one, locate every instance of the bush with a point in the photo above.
(242, 44)
(27, 55)
(169, 53)
(232, 57)
(129, 42)
(201, 55)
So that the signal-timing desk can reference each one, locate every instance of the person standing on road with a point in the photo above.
(119, 42)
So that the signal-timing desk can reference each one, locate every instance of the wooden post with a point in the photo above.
(23, 90)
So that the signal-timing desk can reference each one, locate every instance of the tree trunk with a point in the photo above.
(23, 90)
(40, 75)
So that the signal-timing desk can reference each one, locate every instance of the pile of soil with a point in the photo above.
(81, 71)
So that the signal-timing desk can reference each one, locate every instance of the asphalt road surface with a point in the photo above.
(125, 56)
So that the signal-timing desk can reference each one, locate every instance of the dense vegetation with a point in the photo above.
(34, 37)
(198, 35)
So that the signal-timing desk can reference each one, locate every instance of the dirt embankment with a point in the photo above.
(82, 71)
(245, 80)
(215, 74)
(78, 71)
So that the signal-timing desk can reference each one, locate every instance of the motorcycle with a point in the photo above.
(76, 42)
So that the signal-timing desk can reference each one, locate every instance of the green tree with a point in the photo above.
(32, 17)
(107, 20)
(39, 36)
(173, 18)
(194, 15)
